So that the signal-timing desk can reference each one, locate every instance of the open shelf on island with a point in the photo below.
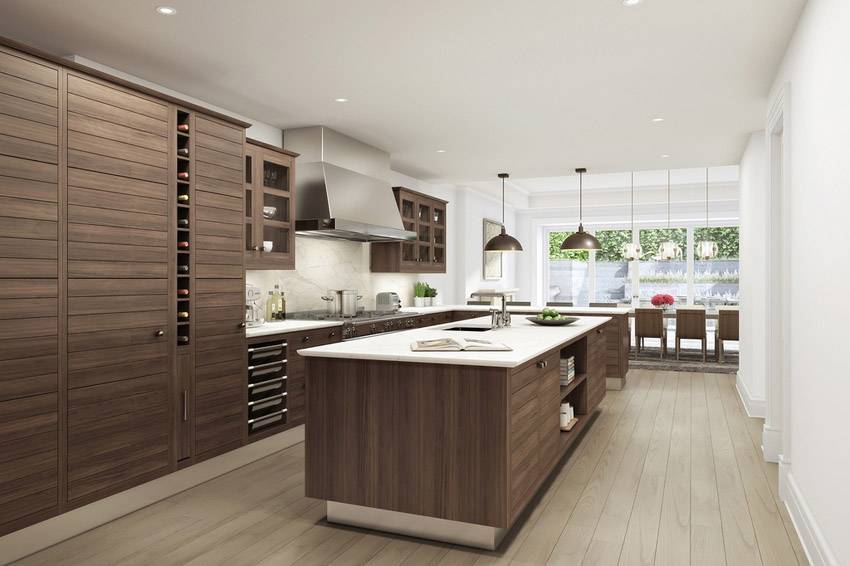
(568, 388)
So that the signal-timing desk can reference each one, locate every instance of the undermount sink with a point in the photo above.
(469, 328)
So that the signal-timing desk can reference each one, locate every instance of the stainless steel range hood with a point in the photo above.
(342, 189)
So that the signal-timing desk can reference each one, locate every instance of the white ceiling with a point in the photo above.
(533, 87)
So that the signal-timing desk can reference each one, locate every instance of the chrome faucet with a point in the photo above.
(500, 318)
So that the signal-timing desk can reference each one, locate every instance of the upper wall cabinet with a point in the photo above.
(426, 216)
(269, 206)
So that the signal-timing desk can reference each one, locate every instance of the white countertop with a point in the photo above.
(528, 341)
(283, 326)
(531, 310)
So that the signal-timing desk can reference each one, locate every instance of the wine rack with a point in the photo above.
(184, 227)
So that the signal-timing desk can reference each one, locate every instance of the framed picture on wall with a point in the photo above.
(492, 268)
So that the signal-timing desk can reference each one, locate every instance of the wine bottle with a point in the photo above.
(183, 292)
(182, 198)
(182, 339)
(183, 244)
(182, 127)
(182, 269)
(183, 175)
(184, 151)
(183, 315)
(183, 222)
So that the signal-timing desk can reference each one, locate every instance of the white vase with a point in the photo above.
(418, 301)
(428, 302)
(436, 301)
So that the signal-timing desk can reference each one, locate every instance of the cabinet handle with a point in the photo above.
(185, 405)
(543, 364)
(305, 339)
(241, 325)
(256, 248)
(159, 332)
(332, 334)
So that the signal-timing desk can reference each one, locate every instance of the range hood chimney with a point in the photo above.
(342, 189)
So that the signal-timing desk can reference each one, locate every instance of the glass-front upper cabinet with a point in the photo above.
(269, 201)
(425, 216)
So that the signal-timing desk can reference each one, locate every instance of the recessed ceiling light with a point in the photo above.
(665, 155)
(631, 3)
(441, 151)
(658, 120)
(340, 100)
(166, 10)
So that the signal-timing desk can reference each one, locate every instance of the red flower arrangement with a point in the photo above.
(662, 299)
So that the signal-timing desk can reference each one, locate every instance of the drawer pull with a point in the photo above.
(185, 405)
(543, 364)
(270, 348)
(305, 339)
(267, 365)
(241, 325)
(266, 417)
(159, 332)
(259, 402)
(266, 382)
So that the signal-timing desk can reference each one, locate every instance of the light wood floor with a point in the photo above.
(669, 474)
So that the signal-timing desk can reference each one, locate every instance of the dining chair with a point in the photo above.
(558, 304)
(649, 323)
(604, 305)
(727, 329)
(690, 325)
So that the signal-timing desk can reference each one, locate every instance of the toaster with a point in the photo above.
(387, 302)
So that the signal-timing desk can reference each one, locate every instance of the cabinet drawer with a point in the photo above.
(533, 370)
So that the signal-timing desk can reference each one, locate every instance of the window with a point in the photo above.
(663, 276)
(569, 276)
(717, 279)
(613, 284)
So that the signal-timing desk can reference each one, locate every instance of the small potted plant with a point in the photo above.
(662, 301)
(431, 293)
(420, 291)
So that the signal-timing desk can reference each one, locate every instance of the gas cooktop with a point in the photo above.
(362, 316)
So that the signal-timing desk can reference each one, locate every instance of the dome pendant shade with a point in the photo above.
(706, 249)
(580, 240)
(504, 242)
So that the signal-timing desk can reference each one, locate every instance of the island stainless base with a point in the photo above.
(432, 528)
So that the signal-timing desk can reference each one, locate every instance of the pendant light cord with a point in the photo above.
(706, 198)
(633, 202)
(668, 200)
(503, 201)
(580, 198)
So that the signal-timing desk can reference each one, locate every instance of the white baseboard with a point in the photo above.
(756, 407)
(811, 537)
(28, 540)
(771, 444)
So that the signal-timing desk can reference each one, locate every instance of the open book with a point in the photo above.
(458, 345)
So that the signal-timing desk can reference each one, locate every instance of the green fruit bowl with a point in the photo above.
(563, 321)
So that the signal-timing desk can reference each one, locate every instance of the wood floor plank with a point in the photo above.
(394, 553)
(639, 546)
(674, 541)
(774, 544)
(739, 536)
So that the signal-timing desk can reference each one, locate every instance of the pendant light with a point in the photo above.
(580, 240)
(706, 249)
(631, 250)
(669, 250)
(504, 242)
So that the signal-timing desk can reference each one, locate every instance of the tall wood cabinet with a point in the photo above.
(426, 216)
(269, 206)
(31, 335)
(122, 346)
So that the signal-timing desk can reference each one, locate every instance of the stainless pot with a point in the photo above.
(342, 302)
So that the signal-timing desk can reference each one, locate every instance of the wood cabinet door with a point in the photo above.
(30, 298)
(120, 347)
(596, 366)
(408, 208)
(438, 235)
(219, 380)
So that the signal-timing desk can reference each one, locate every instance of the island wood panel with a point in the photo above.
(219, 372)
(417, 438)
(30, 302)
(119, 350)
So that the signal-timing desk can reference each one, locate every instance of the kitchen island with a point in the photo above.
(450, 446)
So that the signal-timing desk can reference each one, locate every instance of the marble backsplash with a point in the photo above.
(331, 264)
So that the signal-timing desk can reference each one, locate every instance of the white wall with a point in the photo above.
(753, 299)
(816, 70)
